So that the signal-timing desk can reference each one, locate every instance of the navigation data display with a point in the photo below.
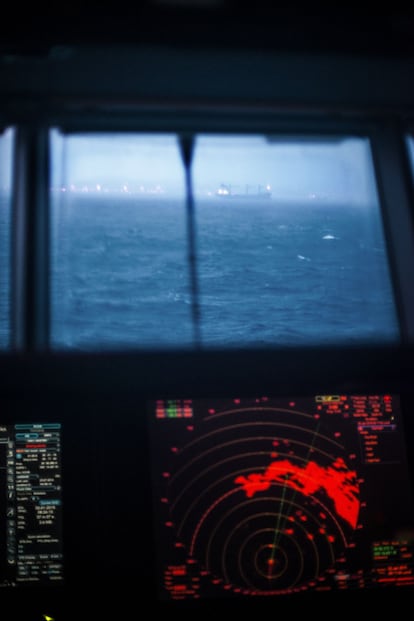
(273, 496)
(30, 505)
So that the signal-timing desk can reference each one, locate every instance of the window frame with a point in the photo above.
(30, 236)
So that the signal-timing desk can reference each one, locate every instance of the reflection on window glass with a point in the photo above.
(289, 243)
(6, 148)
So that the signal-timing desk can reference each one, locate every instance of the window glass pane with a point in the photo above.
(6, 148)
(410, 143)
(119, 253)
(291, 245)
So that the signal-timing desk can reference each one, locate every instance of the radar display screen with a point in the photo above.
(274, 496)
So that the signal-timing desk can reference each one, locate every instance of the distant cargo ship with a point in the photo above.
(251, 192)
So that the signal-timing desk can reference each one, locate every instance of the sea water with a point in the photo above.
(266, 273)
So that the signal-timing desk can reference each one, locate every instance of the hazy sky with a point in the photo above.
(339, 170)
(5, 158)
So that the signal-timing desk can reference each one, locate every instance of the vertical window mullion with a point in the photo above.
(391, 164)
(30, 241)
(187, 149)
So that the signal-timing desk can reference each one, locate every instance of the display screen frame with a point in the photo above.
(376, 552)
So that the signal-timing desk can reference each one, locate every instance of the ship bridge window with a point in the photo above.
(410, 146)
(6, 150)
(273, 241)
